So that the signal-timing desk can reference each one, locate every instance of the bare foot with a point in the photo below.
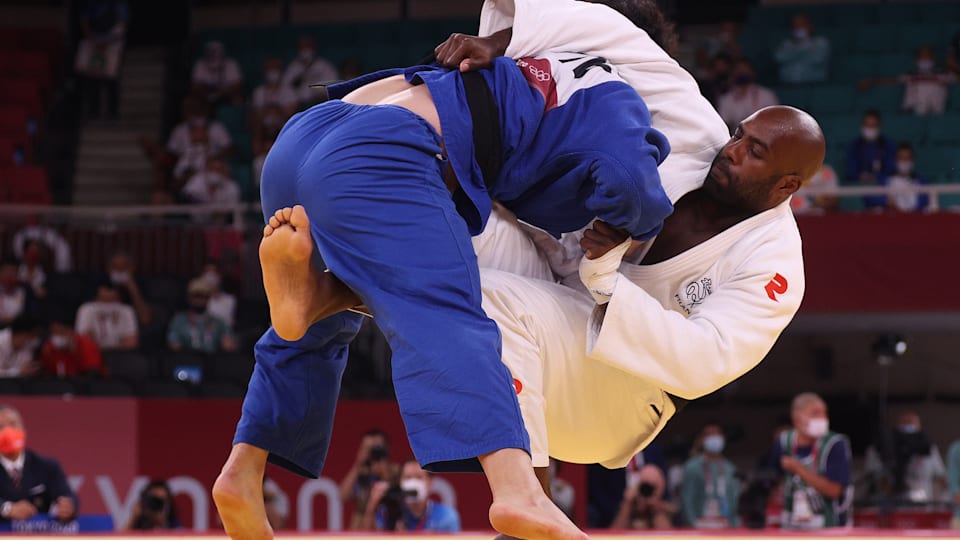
(288, 278)
(536, 518)
(238, 494)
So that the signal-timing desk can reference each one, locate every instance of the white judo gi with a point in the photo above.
(593, 381)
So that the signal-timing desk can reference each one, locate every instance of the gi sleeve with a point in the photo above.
(724, 336)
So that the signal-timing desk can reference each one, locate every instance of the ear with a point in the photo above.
(789, 184)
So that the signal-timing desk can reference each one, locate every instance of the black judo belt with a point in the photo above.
(487, 143)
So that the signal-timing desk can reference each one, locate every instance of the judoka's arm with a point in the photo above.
(724, 336)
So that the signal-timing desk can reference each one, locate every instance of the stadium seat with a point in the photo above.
(896, 14)
(876, 38)
(170, 361)
(23, 92)
(853, 68)
(166, 290)
(222, 390)
(14, 121)
(110, 388)
(894, 64)
(27, 65)
(911, 37)
(885, 98)
(49, 387)
(233, 117)
(836, 99)
(905, 127)
(953, 99)
(129, 366)
(939, 13)
(938, 163)
(796, 96)
(943, 129)
(852, 15)
(26, 185)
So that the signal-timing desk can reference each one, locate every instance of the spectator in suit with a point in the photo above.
(803, 57)
(30, 484)
(871, 158)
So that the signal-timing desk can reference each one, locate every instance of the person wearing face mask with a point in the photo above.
(903, 196)
(30, 484)
(18, 346)
(816, 465)
(222, 304)
(108, 321)
(924, 88)
(745, 97)
(122, 273)
(871, 158)
(16, 298)
(213, 185)
(803, 57)
(194, 330)
(643, 505)
(67, 354)
(307, 69)
(710, 490)
(411, 503)
(273, 91)
(216, 77)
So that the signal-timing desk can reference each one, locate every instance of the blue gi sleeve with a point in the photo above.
(630, 197)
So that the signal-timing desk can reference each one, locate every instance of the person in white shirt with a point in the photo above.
(745, 96)
(273, 91)
(824, 199)
(15, 297)
(195, 140)
(49, 237)
(216, 77)
(18, 346)
(222, 305)
(307, 69)
(110, 323)
(212, 185)
(925, 88)
(902, 184)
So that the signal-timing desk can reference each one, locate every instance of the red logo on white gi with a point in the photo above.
(777, 285)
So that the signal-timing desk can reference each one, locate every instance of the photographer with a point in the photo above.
(643, 505)
(371, 466)
(405, 504)
(155, 510)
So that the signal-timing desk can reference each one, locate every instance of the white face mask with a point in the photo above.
(418, 485)
(925, 65)
(196, 122)
(904, 167)
(59, 342)
(870, 133)
(119, 277)
(212, 279)
(273, 76)
(817, 427)
(306, 55)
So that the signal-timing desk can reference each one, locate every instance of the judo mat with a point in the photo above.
(879, 534)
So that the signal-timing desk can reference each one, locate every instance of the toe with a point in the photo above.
(275, 223)
(267, 231)
(279, 216)
(286, 214)
(298, 217)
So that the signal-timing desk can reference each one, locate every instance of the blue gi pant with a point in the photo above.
(371, 181)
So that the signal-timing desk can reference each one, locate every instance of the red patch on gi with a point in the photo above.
(518, 385)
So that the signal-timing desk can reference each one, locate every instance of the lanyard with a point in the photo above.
(815, 451)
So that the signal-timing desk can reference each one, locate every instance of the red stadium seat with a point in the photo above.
(22, 92)
(26, 185)
(27, 65)
(13, 121)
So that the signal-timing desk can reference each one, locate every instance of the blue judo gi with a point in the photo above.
(576, 144)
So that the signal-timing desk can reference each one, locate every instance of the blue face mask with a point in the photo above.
(909, 429)
(713, 444)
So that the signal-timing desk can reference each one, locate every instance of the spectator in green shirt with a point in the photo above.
(195, 330)
(710, 491)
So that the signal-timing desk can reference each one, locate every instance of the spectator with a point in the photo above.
(217, 78)
(717, 81)
(276, 503)
(644, 506)
(104, 26)
(123, 274)
(816, 464)
(273, 91)
(903, 184)
(222, 304)
(31, 270)
(34, 484)
(953, 55)
(196, 331)
(213, 185)
(870, 158)
(306, 69)
(372, 465)
(825, 182)
(18, 348)
(49, 238)
(745, 97)
(108, 321)
(725, 41)
(924, 89)
(710, 491)
(562, 493)
(155, 510)
(953, 480)
(67, 354)
(406, 505)
(914, 463)
(16, 299)
(803, 57)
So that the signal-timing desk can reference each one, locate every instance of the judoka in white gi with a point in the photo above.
(600, 374)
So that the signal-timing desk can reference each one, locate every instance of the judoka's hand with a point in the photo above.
(605, 247)
(471, 53)
(602, 238)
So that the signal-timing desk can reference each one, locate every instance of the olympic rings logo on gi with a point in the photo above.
(538, 74)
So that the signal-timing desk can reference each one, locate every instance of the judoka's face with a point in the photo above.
(766, 160)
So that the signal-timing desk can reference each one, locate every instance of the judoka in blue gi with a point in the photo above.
(389, 183)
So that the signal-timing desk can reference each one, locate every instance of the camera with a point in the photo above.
(393, 503)
(377, 453)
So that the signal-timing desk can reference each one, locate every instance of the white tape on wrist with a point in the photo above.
(600, 275)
